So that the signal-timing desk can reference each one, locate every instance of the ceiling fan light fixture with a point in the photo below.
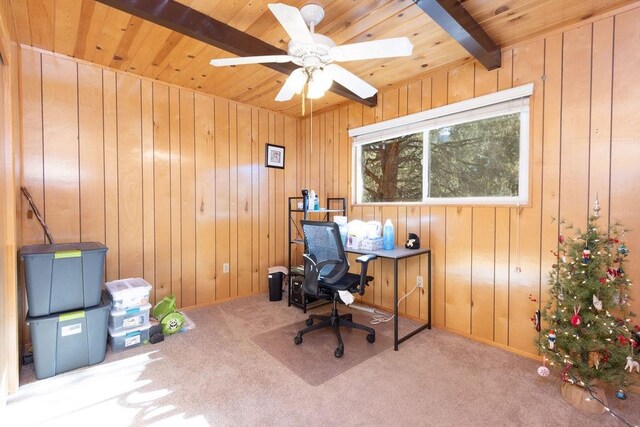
(322, 79)
(314, 91)
(319, 82)
(298, 79)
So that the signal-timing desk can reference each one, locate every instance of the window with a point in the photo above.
(471, 152)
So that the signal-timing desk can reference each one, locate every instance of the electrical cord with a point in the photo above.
(382, 317)
(613, 414)
(574, 380)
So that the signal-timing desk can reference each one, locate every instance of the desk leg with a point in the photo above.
(396, 340)
(395, 304)
(429, 289)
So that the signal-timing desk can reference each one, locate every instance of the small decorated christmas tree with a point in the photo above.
(588, 334)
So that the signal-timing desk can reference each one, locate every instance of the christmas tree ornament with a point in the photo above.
(603, 280)
(596, 207)
(586, 255)
(620, 394)
(536, 320)
(594, 359)
(620, 299)
(552, 339)
(561, 239)
(597, 304)
(612, 274)
(620, 272)
(623, 250)
(543, 371)
(576, 320)
(632, 364)
(564, 375)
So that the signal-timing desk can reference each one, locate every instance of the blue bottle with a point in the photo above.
(388, 238)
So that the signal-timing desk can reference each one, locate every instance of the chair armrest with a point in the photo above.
(366, 258)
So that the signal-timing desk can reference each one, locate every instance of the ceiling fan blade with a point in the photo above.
(349, 80)
(385, 48)
(292, 22)
(242, 60)
(293, 85)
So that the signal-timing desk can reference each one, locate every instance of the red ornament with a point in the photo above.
(576, 320)
(561, 239)
(564, 375)
(603, 280)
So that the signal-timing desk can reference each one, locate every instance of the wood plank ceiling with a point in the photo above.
(96, 33)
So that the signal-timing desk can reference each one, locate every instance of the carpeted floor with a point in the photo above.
(311, 360)
(217, 374)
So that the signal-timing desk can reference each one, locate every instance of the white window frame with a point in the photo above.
(515, 100)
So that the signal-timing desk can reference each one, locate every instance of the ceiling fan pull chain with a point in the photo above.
(311, 120)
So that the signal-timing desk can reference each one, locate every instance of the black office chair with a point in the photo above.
(325, 273)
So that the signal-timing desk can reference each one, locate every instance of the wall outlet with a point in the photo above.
(420, 282)
(225, 267)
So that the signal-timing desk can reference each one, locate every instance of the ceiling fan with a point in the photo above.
(316, 55)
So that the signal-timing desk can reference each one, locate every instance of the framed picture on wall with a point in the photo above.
(274, 156)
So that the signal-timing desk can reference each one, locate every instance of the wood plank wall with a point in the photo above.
(172, 181)
(489, 264)
(9, 194)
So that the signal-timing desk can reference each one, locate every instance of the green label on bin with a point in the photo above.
(67, 254)
(70, 316)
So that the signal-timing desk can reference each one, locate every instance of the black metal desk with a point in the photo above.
(397, 254)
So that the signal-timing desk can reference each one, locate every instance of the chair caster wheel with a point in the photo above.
(371, 338)
(339, 352)
(297, 340)
(309, 322)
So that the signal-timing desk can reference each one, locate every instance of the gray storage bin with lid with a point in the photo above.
(70, 340)
(63, 277)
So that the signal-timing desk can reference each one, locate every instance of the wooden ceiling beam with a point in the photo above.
(192, 23)
(460, 25)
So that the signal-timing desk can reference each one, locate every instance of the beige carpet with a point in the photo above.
(314, 360)
(217, 375)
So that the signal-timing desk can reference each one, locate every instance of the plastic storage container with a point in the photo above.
(128, 293)
(129, 318)
(63, 277)
(129, 338)
(70, 340)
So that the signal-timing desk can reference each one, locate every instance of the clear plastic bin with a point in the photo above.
(129, 338)
(128, 293)
(129, 318)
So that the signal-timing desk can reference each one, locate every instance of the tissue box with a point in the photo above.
(374, 244)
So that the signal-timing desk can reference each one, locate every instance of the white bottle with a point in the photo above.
(312, 199)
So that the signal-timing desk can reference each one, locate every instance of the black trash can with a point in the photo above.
(275, 286)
